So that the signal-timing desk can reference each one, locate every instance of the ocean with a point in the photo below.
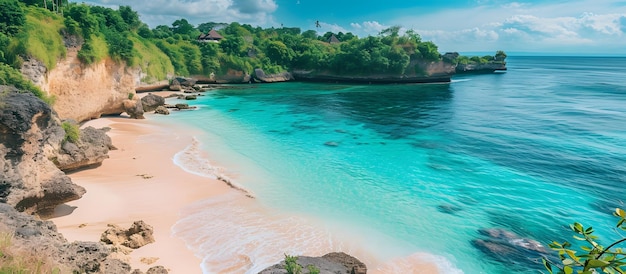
(404, 175)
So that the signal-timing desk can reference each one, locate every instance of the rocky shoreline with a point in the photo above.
(35, 154)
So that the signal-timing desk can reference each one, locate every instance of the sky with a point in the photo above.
(574, 27)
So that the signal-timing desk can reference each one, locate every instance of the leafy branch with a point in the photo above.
(594, 258)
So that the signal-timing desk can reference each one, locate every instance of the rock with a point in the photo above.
(336, 262)
(157, 270)
(508, 247)
(175, 85)
(169, 106)
(189, 91)
(31, 135)
(186, 82)
(138, 235)
(182, 106)
(91, 150)
(260, 76)
(448, 208)
(331, 144)
(150, 102)
(191, 97)
(133, 108)
(162, 110)
(41, 239)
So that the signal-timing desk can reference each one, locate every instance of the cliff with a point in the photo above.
(481, 68)
(426, 72)
(34, 149)
(85, 92)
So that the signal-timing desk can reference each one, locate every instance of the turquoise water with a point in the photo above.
(405, 169)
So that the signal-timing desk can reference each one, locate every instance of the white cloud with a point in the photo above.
(325, 27)
(164, 12)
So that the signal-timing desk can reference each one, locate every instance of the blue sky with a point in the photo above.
(581, 27)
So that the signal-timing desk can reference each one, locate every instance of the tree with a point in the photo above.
(279, 52)
(182, 26)
(594, 257)
(428, 50)
(130, 16)
(310, 34)
(500, 55)
(12, 17)
(232, 46)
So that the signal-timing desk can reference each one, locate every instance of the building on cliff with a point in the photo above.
(211, 36)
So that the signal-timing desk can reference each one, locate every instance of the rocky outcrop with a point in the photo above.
(85, 92)
(508, 247)
(175, 85)
(425, 72)
(260, 76)
(336, 262)
(150, 102)
(138, 235)
(481, 68)
(133, 108)
(30, 135)
(162, 110)
(40, 238)
(91, 150)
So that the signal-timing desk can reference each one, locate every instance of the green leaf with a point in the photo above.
(597, 263)
(579, 238)
(547, 265)
(568, 270)
(568, 261)
(620, 212)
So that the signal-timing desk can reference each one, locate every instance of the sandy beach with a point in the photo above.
(139, 182)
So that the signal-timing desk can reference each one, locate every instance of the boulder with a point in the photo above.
(138, 235)
(150, 102)
(133, 108)
(157, 270)
(507, 247)
(191, 97)
(259, 75)
(175, 85)
(91, 150)
(31, 135)
(162, 110)
(182, 106)
(186, 82)
(39, 238)
(336, 262)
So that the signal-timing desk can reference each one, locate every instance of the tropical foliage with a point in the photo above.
(590, 256)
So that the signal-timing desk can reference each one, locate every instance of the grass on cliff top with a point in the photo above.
(12, 77)
(41, 37)
(152, 60)
(14, 259)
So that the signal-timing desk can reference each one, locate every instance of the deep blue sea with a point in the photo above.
(399, 172)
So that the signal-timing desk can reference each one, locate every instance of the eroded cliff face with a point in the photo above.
(33, 154)
(86, 92)
(30, 135)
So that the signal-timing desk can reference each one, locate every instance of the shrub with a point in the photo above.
(72, 132)
(594, 258)
(291, 265)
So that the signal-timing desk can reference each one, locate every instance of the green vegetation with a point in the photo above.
(39, 29)
(72, 132)
(291, 265)
(14, 260)
(591, 256)
(11, 76)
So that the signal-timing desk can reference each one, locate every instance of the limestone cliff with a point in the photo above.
(32, 149)
(85, 92)
(426, 72)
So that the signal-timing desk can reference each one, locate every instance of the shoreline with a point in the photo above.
(142, 181)
(139, 182)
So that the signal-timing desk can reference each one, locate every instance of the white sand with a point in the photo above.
(139, 182)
